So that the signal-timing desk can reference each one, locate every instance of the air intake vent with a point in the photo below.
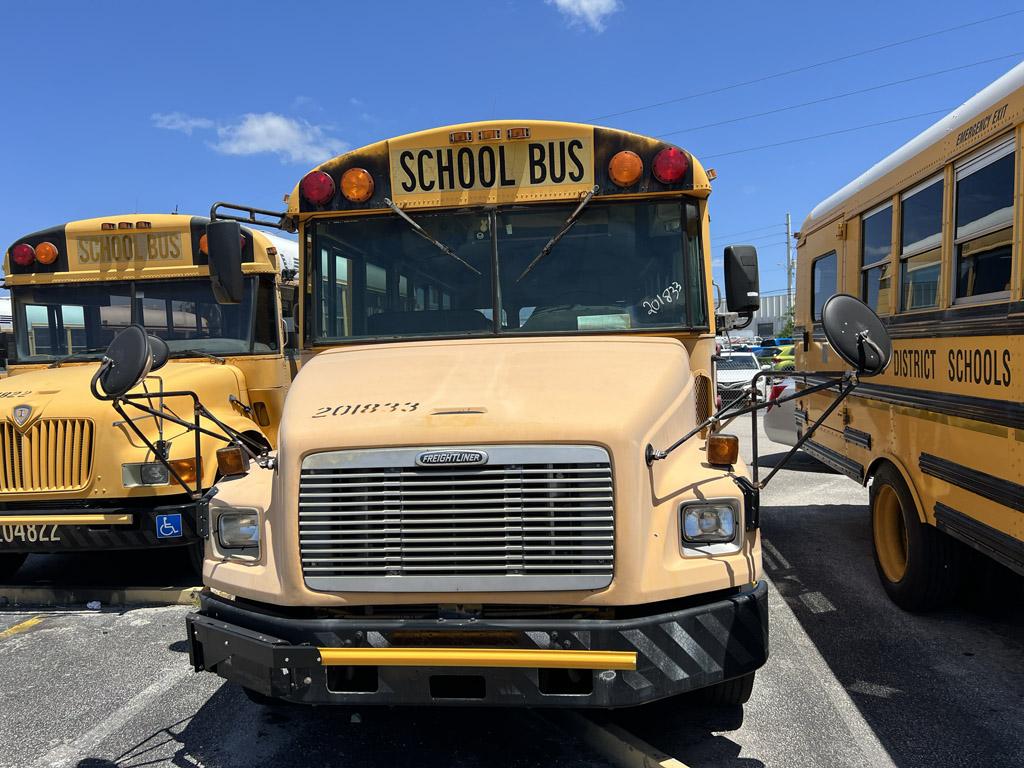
(703, 395)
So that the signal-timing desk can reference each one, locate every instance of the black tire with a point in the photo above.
(916, 563)
(731, 693)
(10, 562)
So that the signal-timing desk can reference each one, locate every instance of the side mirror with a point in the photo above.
(224, 246)
(742, 288)
(291, 334)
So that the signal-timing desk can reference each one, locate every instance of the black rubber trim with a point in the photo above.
(836, 460)
(1003, 413)
(857, 437)
(1002, 319)
(677, 651)
(1000, 546)
(997, 489)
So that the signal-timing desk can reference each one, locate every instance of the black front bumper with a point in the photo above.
(677, 651)
(141, 533)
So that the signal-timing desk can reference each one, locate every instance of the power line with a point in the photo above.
(840, 95)
(829, 133)
(719, 238)
(755, 229)
(807, 67)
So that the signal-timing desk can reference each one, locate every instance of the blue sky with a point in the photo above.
(119, 107)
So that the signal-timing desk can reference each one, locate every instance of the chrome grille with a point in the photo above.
(535, 517)
(48, 455)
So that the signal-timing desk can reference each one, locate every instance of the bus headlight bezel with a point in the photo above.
(238, 530)
(713, 521)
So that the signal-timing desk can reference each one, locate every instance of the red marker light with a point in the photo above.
(23, 254)
(670, 165)
(317, 187)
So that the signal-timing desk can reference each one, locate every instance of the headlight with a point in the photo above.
(707, 523)
(239, 530)
(155, 473)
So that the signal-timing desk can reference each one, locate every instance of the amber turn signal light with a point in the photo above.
(46, 253)
(625, 168)
(186, 469)
(357, 185)
(232, 461)
(723, 449)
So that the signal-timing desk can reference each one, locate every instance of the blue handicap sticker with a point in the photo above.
(168, 526)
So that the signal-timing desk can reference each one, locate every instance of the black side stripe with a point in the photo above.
(857, 437)
(997, 489)
(1003, 413)
(836, 460)
(987, 540)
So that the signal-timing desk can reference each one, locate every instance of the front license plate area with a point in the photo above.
(18, 536)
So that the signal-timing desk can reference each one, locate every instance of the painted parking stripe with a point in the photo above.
(24, 626)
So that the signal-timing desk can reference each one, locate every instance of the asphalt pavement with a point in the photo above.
(852, 680)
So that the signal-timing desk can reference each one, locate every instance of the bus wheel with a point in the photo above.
(731, 693)
(915, 561)
(10, 562)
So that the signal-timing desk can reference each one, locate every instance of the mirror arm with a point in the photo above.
(851, 384)
(252, 216)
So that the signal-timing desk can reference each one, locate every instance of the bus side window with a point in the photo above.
(983, 242)
(824, 272)
(876, 250)
(921, 245)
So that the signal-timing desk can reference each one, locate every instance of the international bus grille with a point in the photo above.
(495, 527)
(49, 455)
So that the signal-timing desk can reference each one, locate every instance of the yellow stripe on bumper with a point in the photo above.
(65, 519)
(477, 657)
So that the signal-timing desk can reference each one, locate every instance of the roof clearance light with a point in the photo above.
(108, 225)
(143, 225)
(670, 165)
(489, 134)
(626, 168)
(459, 136)
(519, 133)
(46, 253)
(23, 254)
(317, 187)
(124, 225)
(357, 185)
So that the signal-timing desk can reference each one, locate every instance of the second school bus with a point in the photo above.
(72, 475)
(930, 237)
(462, 508)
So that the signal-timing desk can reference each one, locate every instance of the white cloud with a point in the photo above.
(179, 121)
(295, 140)
(589, 12)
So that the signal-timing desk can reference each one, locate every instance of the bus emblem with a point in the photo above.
(22, 414)
(449, 458)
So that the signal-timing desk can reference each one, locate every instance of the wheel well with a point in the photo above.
(881, 461)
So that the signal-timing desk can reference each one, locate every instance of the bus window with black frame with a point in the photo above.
(876, 250)
(983, 244)
(824, 276)
(921, 245)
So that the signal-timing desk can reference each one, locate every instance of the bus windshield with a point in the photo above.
(621, 266)
(53, 321)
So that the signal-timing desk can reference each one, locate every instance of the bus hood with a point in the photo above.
(596, 390)
(64, 392)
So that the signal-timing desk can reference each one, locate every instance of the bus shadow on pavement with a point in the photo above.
(801, 462)
(934, 688)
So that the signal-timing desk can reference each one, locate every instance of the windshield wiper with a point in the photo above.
(428, 237)
(197, 353)
(562, 232)
(82, 354)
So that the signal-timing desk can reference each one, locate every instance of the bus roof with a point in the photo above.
(134, 246)
(961, 117)
(382, 159)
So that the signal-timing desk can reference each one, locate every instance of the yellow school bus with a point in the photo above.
(510, 316)
(72, 475)
(930, 237)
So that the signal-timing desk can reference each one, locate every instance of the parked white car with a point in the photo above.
(780, 420)
(734, 371)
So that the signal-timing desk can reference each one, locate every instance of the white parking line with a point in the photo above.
(816, 602)
(71, 754)
(862, 737)
(775, 553)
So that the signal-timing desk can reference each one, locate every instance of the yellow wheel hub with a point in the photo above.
(890, 533)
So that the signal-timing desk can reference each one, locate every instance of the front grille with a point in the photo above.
(49, 455)
(534, 517)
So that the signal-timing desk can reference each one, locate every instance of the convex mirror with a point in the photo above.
(856, 334)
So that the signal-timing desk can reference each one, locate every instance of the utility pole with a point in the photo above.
(789, 263)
